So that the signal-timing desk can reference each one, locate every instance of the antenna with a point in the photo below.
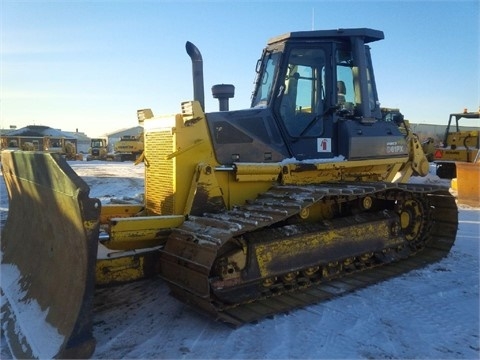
(313, 18)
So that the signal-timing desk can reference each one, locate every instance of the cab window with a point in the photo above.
(265, 80)
(345, 80)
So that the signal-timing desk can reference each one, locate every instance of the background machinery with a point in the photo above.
(457, 145)
(59, 145)
(98, 149)
(129, 147)
(247, 213)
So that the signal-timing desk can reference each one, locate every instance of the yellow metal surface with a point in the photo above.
(457, 154)
(236, 193)
(141, 232)
(320, 211)
(257, 172)
(205, 193)
(121, 267)
(417, 157)
(284, 249)
(468, 183)
(358, 170)
(467, 139)
(119, 210)
(454, 185)
(174, 147)
(187, 148)
(159, 172)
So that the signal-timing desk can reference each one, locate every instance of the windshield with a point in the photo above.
(265, 79)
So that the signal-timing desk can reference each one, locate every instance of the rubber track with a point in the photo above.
(281, 202)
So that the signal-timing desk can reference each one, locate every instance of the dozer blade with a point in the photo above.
(49, 248)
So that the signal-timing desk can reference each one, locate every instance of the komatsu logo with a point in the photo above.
(394, 147)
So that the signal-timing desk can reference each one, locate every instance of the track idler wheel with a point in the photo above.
(413, 219)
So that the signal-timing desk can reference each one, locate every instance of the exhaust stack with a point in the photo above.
(197, 73)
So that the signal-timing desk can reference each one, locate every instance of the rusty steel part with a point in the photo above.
(49, 248)
(118, 267)
(265, 257)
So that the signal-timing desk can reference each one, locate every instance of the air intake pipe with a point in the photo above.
(197, 73)
(223, 92)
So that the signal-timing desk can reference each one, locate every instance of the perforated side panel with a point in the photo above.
(159, 180)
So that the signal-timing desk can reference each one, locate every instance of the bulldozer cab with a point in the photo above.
(98, 143)
(314, 98)
(310, 80)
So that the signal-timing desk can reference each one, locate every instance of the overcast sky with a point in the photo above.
(89, 65)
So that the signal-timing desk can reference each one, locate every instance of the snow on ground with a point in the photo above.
(428, 313)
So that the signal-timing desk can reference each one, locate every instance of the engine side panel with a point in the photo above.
(370, 141)
(246, 136)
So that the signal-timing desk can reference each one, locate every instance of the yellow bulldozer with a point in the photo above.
(98, 149)
(247, 213)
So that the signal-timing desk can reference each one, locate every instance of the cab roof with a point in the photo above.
(466, 115)
(368, 35)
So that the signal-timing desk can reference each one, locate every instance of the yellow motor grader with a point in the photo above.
(247, 213)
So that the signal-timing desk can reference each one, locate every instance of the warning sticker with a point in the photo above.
(324, 145)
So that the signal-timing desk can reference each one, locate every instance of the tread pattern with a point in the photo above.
(191, 250)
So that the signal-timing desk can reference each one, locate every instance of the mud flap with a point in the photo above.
(49, 249)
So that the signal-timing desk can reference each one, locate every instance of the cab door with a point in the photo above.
(302, 103)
